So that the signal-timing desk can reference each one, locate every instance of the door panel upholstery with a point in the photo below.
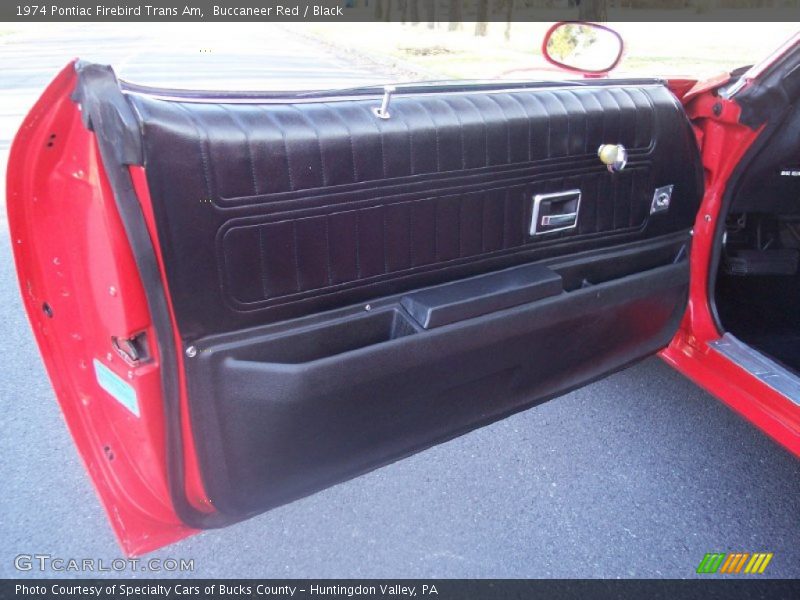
(321, 204)
(296, 231)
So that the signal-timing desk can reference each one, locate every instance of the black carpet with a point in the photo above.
(763, 312)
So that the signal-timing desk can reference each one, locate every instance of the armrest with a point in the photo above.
(475, 296)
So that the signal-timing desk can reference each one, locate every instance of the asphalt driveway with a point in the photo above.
(638, 475)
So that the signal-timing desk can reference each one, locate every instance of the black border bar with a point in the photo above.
(384, 589)
(408, 11)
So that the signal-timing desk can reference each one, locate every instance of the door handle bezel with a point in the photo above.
(543, 223)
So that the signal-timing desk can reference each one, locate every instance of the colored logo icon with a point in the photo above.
(734, 562)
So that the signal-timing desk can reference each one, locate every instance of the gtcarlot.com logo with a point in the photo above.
(48, 562)
(734, 563)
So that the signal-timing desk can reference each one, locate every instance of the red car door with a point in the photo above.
(244, 298)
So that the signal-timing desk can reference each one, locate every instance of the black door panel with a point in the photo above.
(274, 211)
(360, 288)
(283, 412)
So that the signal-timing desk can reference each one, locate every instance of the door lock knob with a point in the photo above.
(613, 156)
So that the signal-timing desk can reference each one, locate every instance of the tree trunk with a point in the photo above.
(430, 13)
(593, 10)
(378, 10)
(413, 11)
(387, 13)
(509, 17)
(482, 19)
(455, 15)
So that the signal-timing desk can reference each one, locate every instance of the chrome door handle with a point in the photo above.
(555, 212)
(566, 220)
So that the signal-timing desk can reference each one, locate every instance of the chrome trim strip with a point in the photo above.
(172, 96)
(763, 368)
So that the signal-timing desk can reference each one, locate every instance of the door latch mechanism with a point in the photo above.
(133, 350)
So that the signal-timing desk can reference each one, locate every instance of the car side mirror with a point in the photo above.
(587, 48)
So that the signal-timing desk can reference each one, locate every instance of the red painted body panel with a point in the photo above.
(724, 143)
(767, 409)
(72, 254)
(195, 491)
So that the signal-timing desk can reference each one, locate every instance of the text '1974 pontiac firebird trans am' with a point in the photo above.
(242, 298)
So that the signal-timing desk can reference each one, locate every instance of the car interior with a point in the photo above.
(757, 289)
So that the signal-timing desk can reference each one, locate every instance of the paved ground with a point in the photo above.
(638, 475)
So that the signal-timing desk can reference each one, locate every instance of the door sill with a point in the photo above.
(760, 366)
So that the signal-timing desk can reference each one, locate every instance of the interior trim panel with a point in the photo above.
(358, 289)
(272, 211)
